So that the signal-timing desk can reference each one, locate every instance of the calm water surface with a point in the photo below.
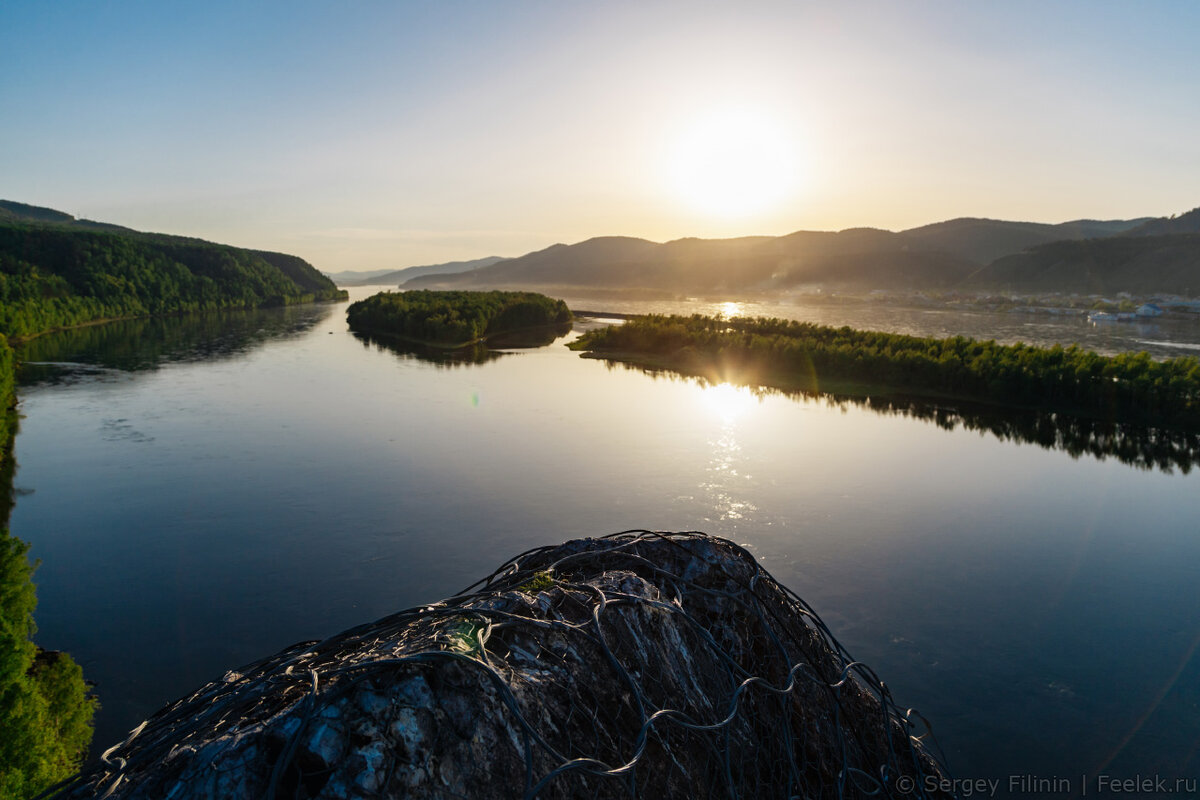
(204, 491)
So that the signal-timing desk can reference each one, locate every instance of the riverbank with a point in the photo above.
(8, 401)
(46, 709)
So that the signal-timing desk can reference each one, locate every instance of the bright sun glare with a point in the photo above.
(727, 401)
(733, 163)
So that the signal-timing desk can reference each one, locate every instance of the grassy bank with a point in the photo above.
(800, 356)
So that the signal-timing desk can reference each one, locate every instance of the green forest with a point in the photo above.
(55, 276)
(57, 272)
(1131, 387)
(454, 318)
(44, 703)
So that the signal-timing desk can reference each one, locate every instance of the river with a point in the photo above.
(202, 491)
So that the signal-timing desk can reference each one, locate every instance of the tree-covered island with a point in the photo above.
(454, 318)
(1130, 387)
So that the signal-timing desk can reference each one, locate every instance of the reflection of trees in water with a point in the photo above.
(470, 355)
(145, 344)
(1138, 446)
(438, 356)
(530, 337)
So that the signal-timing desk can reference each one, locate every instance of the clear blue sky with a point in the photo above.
(367, 135)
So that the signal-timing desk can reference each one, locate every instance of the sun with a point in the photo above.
(733, 163)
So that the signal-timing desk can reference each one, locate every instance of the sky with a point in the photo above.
(370, 135)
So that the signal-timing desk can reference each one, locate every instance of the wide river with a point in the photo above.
(202, 491)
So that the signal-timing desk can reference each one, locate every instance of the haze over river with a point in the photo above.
(203, 491)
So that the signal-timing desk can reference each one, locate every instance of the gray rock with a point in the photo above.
(637, 665)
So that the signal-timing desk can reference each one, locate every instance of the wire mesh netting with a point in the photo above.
(641, 664)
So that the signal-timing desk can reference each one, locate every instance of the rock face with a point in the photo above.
(637, 665)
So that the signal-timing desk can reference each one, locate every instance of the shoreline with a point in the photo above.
(16, 341)
(459, 346)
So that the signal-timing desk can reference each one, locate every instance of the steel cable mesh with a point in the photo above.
(641, 664)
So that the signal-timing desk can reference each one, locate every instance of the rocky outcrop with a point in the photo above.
(638, 665)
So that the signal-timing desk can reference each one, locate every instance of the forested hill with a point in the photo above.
(984, 240)
(1188, 222)
(1141, 265)
(23, 212)
(57, 271)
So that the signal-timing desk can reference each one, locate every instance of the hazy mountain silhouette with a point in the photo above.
(356, 277)
(1081, 256)
(1165, 226)
(1142, 256)
(1138, 264)
(603, 261)
(396, 277)
(857, 257)
(985, 240)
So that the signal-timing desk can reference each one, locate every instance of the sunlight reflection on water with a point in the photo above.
(730, 310)
(728, 401)
(725, 480)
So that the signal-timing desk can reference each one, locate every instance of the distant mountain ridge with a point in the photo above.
(12, 211)
(399, 276)
(985, 240)
(967, 253)
(1144, 255)
(853, 257)
(1165, 226)
(1138, 264)
(1156, 256)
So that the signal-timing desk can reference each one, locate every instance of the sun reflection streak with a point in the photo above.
(725, 479)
